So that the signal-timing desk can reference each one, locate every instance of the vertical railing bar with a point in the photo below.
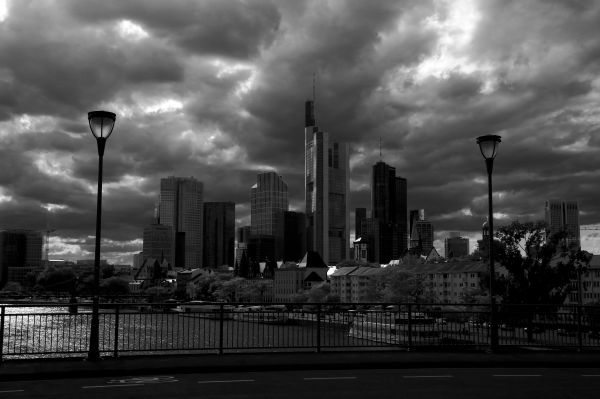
(221, 317)
(2, 317)
(319, 328)
(116, 336)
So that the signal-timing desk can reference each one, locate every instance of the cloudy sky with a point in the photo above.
(215, 89)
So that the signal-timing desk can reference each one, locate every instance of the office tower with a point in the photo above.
(421, 236)
(268, 202)
(456, 246)
(20, 253)
(326, 192)
(219, 234)
(181, 208)
(294, 236)
(242, 239)
(360, 214)
(563, 215)
(389, 207)
(158, 241)
(370, 238)
(414, 216)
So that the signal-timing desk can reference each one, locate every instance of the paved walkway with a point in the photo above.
(137, 365)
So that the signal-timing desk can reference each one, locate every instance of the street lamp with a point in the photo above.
(488, 145)
(101, 125)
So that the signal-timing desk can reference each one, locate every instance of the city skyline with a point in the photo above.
(216, 90)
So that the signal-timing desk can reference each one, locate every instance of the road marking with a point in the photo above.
(427, 376)
(517, 375)
(144, 380)
(112, 386)
(329, 378)
(13, 390)
(222, 381)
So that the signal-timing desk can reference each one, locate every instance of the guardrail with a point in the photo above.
(62, 330)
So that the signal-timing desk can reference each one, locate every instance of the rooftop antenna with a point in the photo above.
(379, 148)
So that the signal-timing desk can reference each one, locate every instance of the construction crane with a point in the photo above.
(48, 245)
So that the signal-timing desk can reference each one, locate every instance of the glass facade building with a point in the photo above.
(268, 202)
(181, 208)
(326, 175)
(219, 234)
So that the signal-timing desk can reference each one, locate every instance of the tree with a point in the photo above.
(114, 286)
(270, 268)
(539, 270)
(321, 293)
(392, 284)
(58, 280)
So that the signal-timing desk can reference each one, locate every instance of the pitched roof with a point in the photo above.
(343, 271)
(313, 277)
(312, 259)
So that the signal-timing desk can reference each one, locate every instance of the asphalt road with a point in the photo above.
(314, 384)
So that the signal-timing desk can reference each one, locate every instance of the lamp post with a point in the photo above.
(101, 124)
(488, 145)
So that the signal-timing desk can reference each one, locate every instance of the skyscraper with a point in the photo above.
(360, 214)
(563, 215)
(456, 246)
(294, 236)
(389, 207)
(20, 253)
(422, 234)
(219, 234)
(181, 208)
(326, 175)
(268, 202)
(158, 242)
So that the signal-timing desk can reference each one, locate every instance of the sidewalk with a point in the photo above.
(11, 370)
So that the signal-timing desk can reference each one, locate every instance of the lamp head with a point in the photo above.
(488, 145)
(101, 123)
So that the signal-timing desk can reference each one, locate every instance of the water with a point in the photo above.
(53, 332)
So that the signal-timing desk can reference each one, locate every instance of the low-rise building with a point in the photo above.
(590, 285)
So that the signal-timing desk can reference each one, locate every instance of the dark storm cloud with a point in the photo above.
(236, 29)
(216, 90)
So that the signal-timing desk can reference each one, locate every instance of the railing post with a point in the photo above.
(221, 318)
(579, 328)
(319, 328)
(116, 343)
(409, 327)
(2, 314)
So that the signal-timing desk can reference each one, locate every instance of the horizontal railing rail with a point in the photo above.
(51, 329)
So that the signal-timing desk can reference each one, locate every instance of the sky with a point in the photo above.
(215, 89)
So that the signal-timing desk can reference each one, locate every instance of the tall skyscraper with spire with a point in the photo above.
(326, 175)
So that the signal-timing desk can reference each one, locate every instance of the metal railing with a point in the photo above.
(62, 330)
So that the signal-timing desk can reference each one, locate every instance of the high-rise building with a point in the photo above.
(456, 246)
(219, 234)
(389, 208)
(181, 208)
(563, 215)
(360, 214)
(268, 202)
(158, 242)
(421, 235)
(242, 238)
(294, 236)
(20, 253)
(326, 192)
